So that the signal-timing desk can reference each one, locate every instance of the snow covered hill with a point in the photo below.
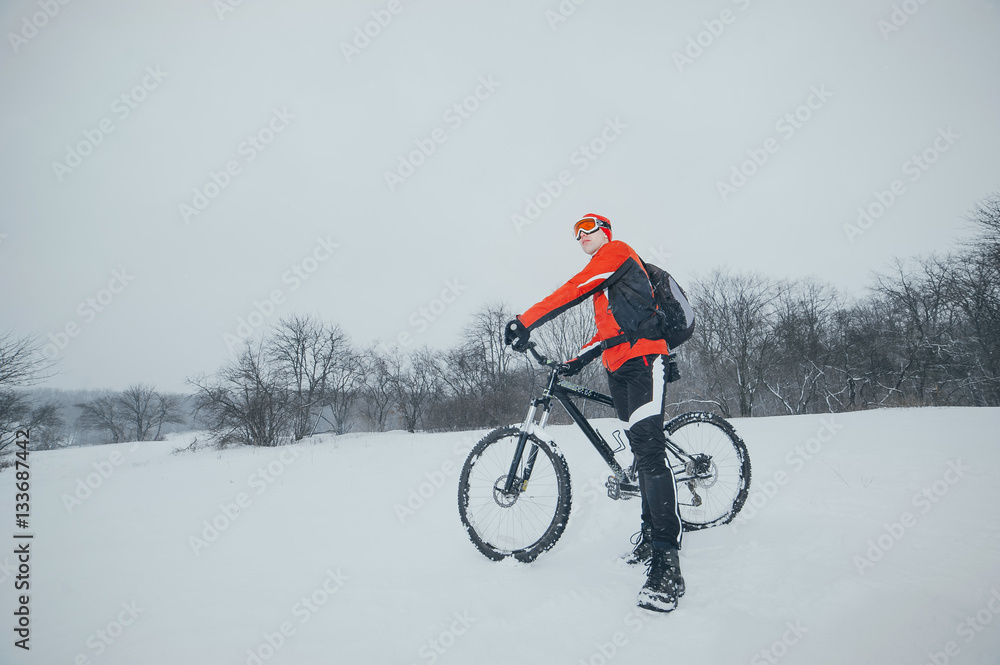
(870, 538)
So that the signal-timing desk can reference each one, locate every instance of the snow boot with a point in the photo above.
(643, 552)
(664, 584)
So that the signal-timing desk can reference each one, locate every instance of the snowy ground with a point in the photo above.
(882, 545)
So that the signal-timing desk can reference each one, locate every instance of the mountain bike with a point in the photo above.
(514, 491)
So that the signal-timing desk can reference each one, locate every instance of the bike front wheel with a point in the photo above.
(528, 520)
(711, 466)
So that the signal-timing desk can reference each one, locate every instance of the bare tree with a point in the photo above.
(168, 409)
(483, 340)
(138, 413)
(977, 294)
(986, 219)
(976, 275)
(308, 354)
(21, 364)
(14, 411)
(21, 361)
(920, 325)
(345, 383)
(46, 426)
(563, 338)
(17, 412)
(802, 325)
(146, 411)
(246, 402)
(378, 395)
(416, 379)
(480, 373)
(735, 336)
(107, 414)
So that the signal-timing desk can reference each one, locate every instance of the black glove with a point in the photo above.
(571, 367)
(516, 335)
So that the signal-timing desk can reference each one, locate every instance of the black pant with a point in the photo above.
(637, 391)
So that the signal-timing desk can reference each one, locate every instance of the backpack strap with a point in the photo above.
(613, 341)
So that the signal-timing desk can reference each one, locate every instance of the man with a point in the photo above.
(634, 356)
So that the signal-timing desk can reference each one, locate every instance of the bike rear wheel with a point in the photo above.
(712, 470)
(530, 519)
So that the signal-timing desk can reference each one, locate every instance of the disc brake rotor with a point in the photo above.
(503, 499)
(704, 470)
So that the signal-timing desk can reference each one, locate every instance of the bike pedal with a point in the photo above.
(629, 491)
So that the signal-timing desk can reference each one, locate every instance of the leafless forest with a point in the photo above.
(926, 333)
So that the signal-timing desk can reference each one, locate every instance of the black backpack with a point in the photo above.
(675, 317)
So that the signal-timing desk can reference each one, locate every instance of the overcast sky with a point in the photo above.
(167, 165)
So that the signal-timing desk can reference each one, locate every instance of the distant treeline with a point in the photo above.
(927, 332)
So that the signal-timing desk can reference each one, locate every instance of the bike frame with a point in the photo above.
(563, 390)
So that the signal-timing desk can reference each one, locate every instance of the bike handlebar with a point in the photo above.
(543, 360)
(561, 368)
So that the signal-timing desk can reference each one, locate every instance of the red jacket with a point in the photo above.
(615, 267)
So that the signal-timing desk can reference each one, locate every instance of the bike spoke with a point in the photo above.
(710, 473)
(523, 521)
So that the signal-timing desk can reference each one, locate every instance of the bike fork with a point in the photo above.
(522, 439)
